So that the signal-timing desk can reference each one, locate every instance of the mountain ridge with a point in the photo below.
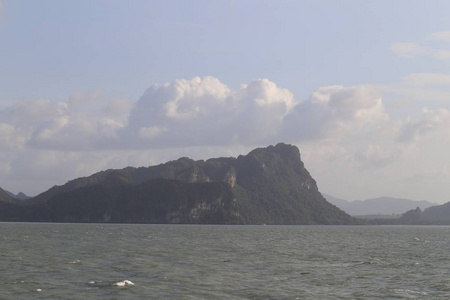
(377, 206)
(267, 186)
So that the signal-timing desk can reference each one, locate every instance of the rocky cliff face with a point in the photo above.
(275, 188)
(267, 186)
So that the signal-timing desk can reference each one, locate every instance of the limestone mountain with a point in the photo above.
(266, 186)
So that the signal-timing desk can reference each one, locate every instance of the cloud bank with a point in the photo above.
(187, 113)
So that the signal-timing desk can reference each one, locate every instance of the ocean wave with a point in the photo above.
(124, 283)
(77, 261)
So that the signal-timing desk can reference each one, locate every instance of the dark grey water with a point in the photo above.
(92, 261)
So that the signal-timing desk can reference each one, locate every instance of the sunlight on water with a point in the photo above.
(100, 261)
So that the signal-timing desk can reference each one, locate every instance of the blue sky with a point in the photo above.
(362, 87)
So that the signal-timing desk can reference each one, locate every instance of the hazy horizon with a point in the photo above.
(361, 87)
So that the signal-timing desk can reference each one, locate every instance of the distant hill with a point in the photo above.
(437, 213)
(434, 215)
(19, 196)
(267, 186)
(377, 206)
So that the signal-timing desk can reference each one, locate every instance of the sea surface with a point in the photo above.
(111, 261)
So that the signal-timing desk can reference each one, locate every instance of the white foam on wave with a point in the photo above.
(410, 292)
(124, 283)
(77, 261)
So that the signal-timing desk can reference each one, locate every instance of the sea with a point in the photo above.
(126, 261)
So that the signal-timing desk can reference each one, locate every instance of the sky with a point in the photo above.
(361, 87)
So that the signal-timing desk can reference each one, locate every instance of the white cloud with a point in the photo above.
(89, 106)
(435, 46)
(409, 50)
(189, 99)
(84, 122)
(440, 54)
(47, 131)
(376, 156)
(415, 91)
(430, 122)
(118, 108)
(262, 107)
(195, 112)
(150, 132)
(207, 112)
(78, 99)
(335, 111)
(440, 36)
(11, 138)
(427, 79)
(266, 93)
(29, 114)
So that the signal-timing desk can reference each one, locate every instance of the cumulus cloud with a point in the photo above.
(185, 113)
(81, 123)
(64, 133)
(263, 108)
(207, 112)
(29, 114)
(335, 111)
